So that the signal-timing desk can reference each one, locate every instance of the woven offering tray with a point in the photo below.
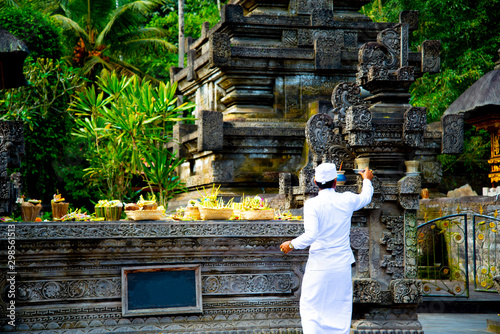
(257, 215)
(215, 214)
(145, 214)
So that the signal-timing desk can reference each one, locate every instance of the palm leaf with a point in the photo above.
(69, 24)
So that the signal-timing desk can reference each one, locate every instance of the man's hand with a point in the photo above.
(285, 247)
(367, 174)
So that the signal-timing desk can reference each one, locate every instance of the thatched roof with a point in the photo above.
(482, 96)
(10, 43)
(13, 51)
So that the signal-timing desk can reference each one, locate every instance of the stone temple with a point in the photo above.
(280, 87)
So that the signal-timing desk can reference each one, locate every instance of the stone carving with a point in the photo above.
(290, 38)
(431, 62)
(390, 38)
(431, 171)
(286, 188)
(210, 131)
(409, 17)
(319, 134)
(232, 13)
(55, 230)
(221, 317)
(306, 184)
(220, 48)
(339, 154)
(359, 126)
(410, 222)
(11, 151)
(360, 243)
(328, 50)
(406, 291)
(405, 73)
(248, 284)
(366, 290)
(222, 171)
(69, 289)
(409, 201)
(415, 120)
(358, 118)
(345, 95)
(322, 17)
(378, 73)
(453, 134)
(409, 185)
(99, 288)
(350, 40)
(394, 241)
(409, 192)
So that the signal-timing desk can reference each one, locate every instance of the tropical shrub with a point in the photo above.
(126, 123)
(53, 158)
(40, 34)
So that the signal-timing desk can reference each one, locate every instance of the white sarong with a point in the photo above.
(326, 301)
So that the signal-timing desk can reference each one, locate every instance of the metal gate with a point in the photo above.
(443, 264)
(486, 251)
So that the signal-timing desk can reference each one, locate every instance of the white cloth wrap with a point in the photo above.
(326, 301)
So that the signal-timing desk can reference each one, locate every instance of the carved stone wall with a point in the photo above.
(11, 152)
(68, 275)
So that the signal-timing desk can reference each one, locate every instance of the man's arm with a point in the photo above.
(365, 197)
(308, 237)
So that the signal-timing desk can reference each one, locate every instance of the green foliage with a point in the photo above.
(53, 159)
(122, 120)
(50, 83)
(195, 13)
(159, 171)
(108, 35)
(470, 36)
(36, 30)
(472, 165)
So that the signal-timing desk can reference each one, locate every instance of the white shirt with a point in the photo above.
(327, 225)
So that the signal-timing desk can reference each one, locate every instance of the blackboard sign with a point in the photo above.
(161, 290)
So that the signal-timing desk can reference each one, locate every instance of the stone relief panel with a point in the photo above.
(415, 120)
(345, 95)
(360, 244)
(99, 230)
(320, 134)
(328, 51)
(110, 288)
(411, 255)
(453, 134)
(366, 290)
(406, 291)
(394, 242)
(431, 62)
(431, 171)
(210, 131)
(220, 49)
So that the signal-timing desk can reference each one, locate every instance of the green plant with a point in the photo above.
(53, 158)
(108, 33)
(159, 171)
(124, 121)
(35, 29)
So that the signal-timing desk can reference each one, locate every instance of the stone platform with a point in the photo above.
(67, 278)
(69, 275)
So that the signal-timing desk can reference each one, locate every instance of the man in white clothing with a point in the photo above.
(326, 297)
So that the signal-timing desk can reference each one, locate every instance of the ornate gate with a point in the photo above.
(486, 251)
(442, 256)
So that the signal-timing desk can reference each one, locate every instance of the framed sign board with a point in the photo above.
(161, 290)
